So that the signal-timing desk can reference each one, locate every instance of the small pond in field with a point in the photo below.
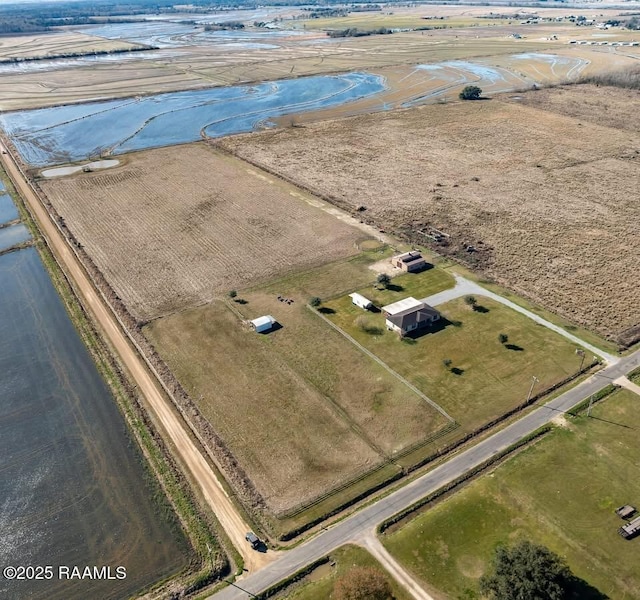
(92, 166)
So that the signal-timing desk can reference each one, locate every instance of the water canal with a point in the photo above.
(73, 487)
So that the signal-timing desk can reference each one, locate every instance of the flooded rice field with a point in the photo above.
(74, 490)
(517, 71)
(8, 210)
(71, 133)
(57, 64)
(13, 235)
(166, 34)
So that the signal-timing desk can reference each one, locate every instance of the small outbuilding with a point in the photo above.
(361, 301)
(263, 324)
(625, 512)
(409, 261)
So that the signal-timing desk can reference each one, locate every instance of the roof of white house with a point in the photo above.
(260, 321)
(401, 305)
(359, 298)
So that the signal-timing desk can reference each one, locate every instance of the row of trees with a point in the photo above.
(229, 25)
(355, 32)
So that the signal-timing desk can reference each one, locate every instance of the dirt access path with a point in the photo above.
(372, 544)
(232, 522)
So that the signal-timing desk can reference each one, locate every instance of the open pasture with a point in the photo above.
(561, 492)
(551, 197)
(175, 227)
(281, 430)
(392, 20)
(305, 410)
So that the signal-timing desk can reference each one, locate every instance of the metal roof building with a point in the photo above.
(401, 305)
(360, 300)
(264, 323)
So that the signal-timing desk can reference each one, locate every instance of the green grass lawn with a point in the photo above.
(322, 413)
(330, 280)
(319, 584)
(584, 334)
(560, 492)
(489, 378)
(418, 285)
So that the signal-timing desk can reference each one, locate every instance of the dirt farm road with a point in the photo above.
(212, 490)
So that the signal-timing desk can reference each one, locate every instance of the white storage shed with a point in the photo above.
(361, 301)
(262, 324)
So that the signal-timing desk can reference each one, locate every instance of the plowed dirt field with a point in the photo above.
(175, 227)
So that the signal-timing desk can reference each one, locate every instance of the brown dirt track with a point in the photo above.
(555, 202)
(175, 428)
(211, 223)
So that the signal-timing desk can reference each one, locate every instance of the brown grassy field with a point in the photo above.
(550, 198)
(305, 409)
(175, 227)
(49, 45)
(290, 441)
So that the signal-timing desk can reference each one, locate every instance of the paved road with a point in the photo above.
(362, 523)
(92, 300)
(464, 287)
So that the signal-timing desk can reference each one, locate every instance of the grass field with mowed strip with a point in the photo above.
(303, 409)
(486, 378)
(561, 492)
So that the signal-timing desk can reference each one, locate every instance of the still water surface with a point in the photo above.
(61, 134)
(73, 488)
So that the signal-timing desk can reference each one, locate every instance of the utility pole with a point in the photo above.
(590, 405)
(581, 353)
(534, 380)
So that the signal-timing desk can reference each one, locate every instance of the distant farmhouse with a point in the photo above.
(409, 261)
(409, 315)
